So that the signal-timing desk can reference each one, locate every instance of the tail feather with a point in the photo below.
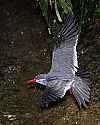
(79, 98)
(83, 89)
(80, 90)
(76, 97)
(83, 94)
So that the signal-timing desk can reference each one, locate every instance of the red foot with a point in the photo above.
(71, 93)
(35, 90)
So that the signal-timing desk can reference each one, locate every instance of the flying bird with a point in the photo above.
(63, 73)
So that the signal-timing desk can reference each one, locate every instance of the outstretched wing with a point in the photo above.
(56, 89)
(64, 58)
(50, 95)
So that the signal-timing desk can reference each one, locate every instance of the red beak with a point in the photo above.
(33, 81)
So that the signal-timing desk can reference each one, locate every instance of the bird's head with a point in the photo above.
(35, 81)
(37, 84)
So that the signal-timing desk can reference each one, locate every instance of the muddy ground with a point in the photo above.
(25, 52)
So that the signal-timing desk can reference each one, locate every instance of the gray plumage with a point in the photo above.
(62, 75)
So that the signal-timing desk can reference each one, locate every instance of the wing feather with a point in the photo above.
(64, 56)
(54, 92)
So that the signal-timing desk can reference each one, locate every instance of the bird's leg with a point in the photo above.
(71, 92)
(35, 90)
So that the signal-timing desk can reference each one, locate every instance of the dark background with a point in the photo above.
(25, 52)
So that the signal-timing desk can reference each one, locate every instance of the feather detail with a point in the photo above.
(80, 91)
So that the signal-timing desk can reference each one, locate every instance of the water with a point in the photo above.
(24, 52)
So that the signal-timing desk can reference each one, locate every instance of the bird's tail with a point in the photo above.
(80, 90)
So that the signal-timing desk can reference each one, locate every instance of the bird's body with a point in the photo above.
(62, 75)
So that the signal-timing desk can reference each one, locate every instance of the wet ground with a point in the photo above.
(25, 52)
